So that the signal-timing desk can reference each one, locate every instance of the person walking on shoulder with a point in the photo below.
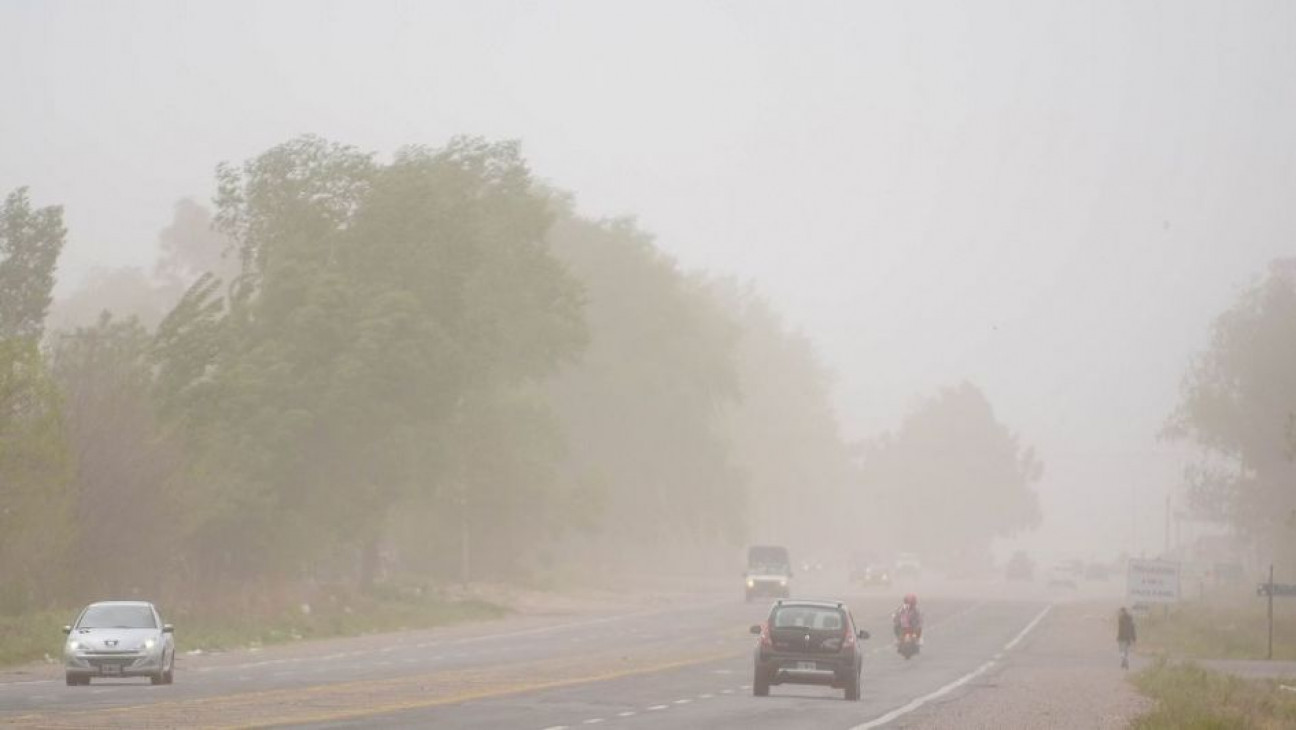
(1125, 635)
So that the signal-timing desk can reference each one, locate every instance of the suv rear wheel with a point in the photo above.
(760, 684)
(853, 687)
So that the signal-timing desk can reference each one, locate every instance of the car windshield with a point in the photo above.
(117, 617)
(808, 617)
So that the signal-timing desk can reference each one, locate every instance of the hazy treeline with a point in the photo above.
(1238, 406)
(430, 368)
(431, 365)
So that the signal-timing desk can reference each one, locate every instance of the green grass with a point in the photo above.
(31, 636)
(1220, 630)
(1191, 698)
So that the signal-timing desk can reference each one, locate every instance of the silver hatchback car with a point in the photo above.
(119, 639)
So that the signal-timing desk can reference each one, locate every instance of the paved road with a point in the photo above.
(686, 666)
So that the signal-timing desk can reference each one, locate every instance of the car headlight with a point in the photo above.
(751, 583)
(149, 644)
(783, 582)
(74, 645)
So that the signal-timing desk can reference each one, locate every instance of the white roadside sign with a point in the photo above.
(1152, 581)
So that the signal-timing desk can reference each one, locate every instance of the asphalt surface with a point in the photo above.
(687, 665)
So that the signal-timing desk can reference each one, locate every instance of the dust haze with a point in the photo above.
(540, 291)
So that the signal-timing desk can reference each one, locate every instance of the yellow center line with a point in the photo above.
(363, 698)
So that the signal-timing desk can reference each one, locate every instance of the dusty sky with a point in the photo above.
(1051, 199)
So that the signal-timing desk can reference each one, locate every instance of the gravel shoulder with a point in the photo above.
(1065, 674)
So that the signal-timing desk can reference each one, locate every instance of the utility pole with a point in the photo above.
(465, 554)
(1133, 523)
(1270, 592)
(1167, 526)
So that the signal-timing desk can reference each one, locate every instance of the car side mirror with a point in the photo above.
(755, 629)
(67, 629)
(863, 634)
(168, 629)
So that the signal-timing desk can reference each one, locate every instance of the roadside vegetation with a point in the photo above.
(1219, 629)
(33, 636)
(1189, 697)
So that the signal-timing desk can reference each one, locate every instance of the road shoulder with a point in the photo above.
(1065, 674)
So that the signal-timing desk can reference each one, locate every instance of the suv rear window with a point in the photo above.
(808, 617)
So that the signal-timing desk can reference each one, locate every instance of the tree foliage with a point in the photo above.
(952, 478)
(375, 304)
(642, 406)
(428, 363)
(30, 243)
(1237, 404)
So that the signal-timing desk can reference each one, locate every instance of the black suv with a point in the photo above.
(809, 642)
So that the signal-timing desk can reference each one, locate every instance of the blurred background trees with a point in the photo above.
(432, 368)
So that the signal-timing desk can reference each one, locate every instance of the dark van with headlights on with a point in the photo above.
(809, 642)
(769, 572)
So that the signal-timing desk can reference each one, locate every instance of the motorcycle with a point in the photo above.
(908, 644)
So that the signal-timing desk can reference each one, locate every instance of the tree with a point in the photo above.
(784, 433)
(375, 303)
(123, 466)
(643, 407)
(188, 249)
(953, 478)
(34, 501)
(1237, 404)
(30, 244)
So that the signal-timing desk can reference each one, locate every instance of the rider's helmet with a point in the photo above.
(911, 600)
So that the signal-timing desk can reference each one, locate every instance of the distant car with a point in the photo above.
(1020, 568)
(1097, 572)
(769, 572)
(1062, 577)
(873, 574)
(809, 642)
(907, 565)
(119, 639)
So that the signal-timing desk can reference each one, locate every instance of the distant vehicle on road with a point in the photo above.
(119, 639)
(869, 574)
(1098, 572)
(907, 565)
(1020, 568)
(809, 642)
(769, 572)
(1063, 577)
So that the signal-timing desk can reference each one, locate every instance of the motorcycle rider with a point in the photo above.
(907, 618)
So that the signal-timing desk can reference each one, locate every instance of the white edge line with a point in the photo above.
(919, 702)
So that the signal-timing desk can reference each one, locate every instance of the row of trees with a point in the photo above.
(430, 365)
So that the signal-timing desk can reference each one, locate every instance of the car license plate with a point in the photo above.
(110, 669)
(807, 666)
